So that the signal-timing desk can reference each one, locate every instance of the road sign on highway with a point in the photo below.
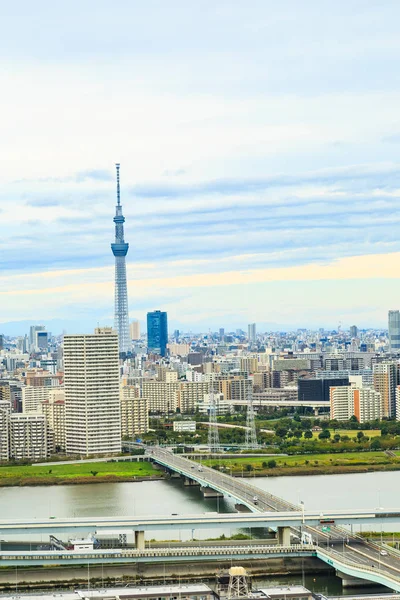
(326, 529)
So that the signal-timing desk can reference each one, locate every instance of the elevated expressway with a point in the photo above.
(351, 556)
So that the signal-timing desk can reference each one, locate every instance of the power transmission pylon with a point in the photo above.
(251, 435)
(213, 435)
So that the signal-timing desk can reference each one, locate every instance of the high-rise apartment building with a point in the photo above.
(120, 250)
(394, 330)
(134, 329)
(157, 332)
(5, 411)
(92, 394)
(251, 332)
(385, 382)
(363, 403)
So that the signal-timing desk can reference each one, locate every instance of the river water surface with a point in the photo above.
(323, 492)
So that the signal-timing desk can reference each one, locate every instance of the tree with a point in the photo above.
(308, 434)
(376, 444)
(271, 464)
(94, 473)
(249, 467)
(281, 432)
(360, 435)
(325, 434)
(336, 437)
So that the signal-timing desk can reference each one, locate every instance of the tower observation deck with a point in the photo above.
(120, 250)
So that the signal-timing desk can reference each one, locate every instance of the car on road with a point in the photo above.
(384, 553)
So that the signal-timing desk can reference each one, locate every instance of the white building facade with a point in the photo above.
(92, 393)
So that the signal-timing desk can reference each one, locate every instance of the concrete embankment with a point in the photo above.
(19, 579)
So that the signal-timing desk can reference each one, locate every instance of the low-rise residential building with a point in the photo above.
(28, 436)
(185, 426)
(190, 394)
(134, 412)
(222, 407)
(54, 410)
(161, 396)
(348, 401)
(32, 396)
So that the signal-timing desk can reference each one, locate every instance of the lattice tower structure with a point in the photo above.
(120, 250)
(251, 435)
(213, 435)
(238, 583)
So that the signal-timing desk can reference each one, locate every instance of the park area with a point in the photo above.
(95, 472)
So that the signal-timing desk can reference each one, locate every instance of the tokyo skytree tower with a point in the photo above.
(120, 250)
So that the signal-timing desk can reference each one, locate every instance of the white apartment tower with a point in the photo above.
(5, 411)
(92, 394)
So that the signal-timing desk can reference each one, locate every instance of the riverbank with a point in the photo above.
(307, 464)
(78, 473)
(60, 576)
(237, 466)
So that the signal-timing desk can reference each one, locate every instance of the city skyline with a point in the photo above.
(260, 177)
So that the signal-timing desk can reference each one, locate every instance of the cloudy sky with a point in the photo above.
(259, 146)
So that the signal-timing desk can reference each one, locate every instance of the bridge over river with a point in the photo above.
(353, 557)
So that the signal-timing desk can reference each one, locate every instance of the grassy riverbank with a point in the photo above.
(96, 472)
(307, 464)
(258, 466)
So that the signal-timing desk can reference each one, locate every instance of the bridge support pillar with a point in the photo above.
(283, 536)
(316, 411)
(139, 540)
(210, 493)
(190, 482)
(349, 581)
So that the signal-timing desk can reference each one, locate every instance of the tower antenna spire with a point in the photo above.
(120, 249)
(117, 165)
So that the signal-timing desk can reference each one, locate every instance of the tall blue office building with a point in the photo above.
(157, 332)
(120, 249)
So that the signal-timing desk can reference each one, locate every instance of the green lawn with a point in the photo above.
(55, 473)
(307, 461)
(351, 433)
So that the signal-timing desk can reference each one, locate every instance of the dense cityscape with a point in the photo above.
(81, 395)
(200, 300)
